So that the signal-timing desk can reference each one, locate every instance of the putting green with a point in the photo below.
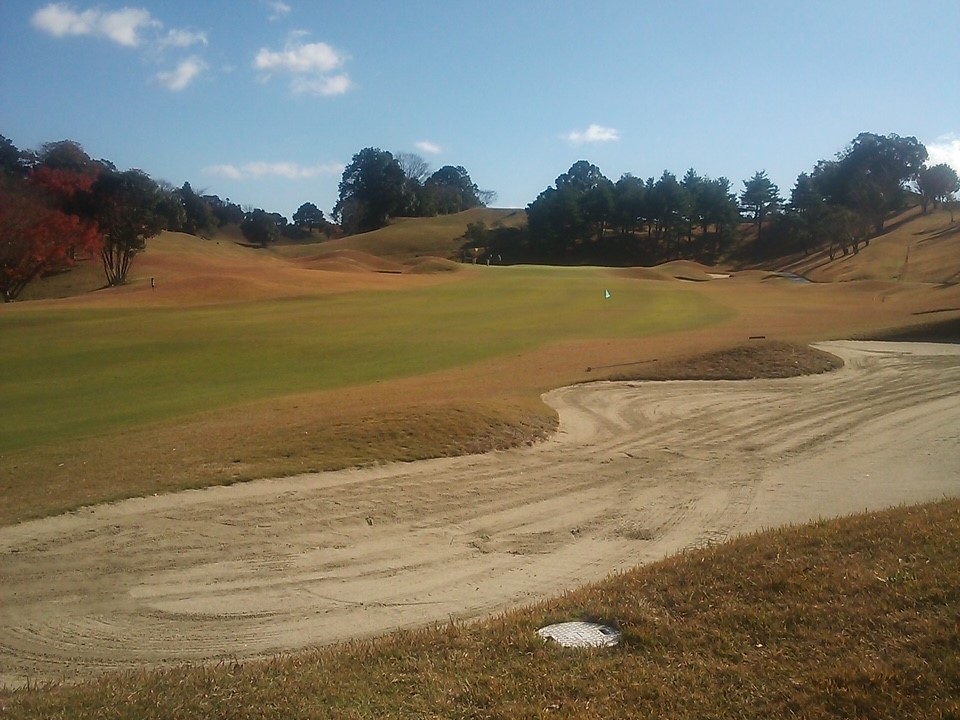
(68, 374)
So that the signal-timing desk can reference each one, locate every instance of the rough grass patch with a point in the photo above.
(855, 617)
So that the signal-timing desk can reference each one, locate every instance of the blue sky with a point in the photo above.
(265, 102)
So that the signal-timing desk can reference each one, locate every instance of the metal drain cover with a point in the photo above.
(581, 634)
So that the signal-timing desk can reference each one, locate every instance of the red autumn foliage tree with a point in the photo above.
(36, 235)
(65, 187)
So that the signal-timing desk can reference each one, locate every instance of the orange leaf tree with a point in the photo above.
(36, 235)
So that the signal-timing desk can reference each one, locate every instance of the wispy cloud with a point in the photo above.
(323, 85)
(429, 147)
(122, 26)
(311, 66)
(184, 74)
(945, 149)
(278, 9)
(288, 170)
(300, 58)
(593, 134)
(183, 39)
(129, 27)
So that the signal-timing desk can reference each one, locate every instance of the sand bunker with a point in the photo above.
(637, 471)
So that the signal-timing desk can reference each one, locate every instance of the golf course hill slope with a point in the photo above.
(914, 248)
(176, 268)
(406, 239)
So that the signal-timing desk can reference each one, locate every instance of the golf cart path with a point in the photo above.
(637, 471)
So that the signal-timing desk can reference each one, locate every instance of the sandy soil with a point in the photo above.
(637, 471)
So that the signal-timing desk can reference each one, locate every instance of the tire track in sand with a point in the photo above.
(636, 471)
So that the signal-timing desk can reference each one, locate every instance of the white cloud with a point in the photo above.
(231, 172)
(59, 20)
(178, 78)
(593, 134)
(122, 26)
(945, 149)
(183, 39)
(310, 64)
(279, 10)
(305, 58)
(429, 147)
(324, 85)
(129, 27)
(288, 170)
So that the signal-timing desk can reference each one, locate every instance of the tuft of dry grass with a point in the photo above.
(855, 617)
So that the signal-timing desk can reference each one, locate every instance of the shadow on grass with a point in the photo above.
(943, 331)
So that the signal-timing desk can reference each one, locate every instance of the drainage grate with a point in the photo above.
(581, 634)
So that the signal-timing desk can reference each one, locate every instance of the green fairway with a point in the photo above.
(68, 374)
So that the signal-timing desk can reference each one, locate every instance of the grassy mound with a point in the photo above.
(440, 236)
(642, 273)
(758, 359)
(430, 265)
(685, 270)
(352, 260)
(849, 618)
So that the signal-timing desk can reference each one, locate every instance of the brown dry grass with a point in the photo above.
(405, 238)
(847, 618)
(914, 248)
(433, 265)
(287, 436)
(187, 271)
(756, 359)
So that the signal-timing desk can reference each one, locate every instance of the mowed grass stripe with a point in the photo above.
(71, 374)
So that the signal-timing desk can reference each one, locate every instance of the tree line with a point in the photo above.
(584, 215)
(845, 201)
(377, 186)
(58, 205)
(840, 203)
